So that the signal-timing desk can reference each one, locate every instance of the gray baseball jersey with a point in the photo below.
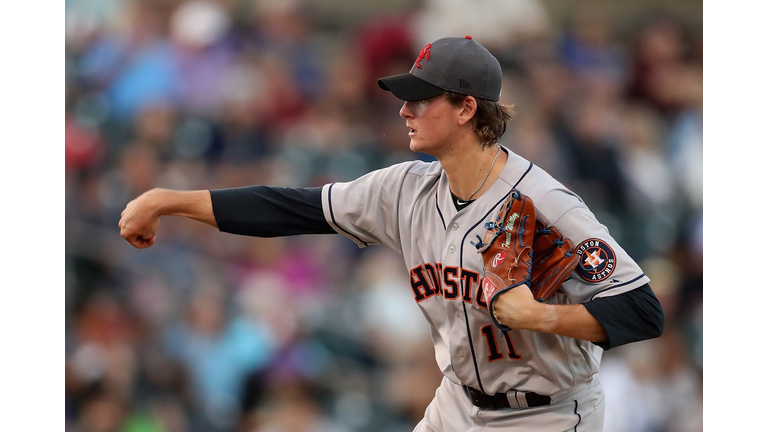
(408, 207)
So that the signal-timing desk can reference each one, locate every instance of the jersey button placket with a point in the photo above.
(451, 249)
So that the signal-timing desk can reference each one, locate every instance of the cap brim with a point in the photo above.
(409, 88)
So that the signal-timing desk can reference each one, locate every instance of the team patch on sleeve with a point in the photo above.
(596, 260)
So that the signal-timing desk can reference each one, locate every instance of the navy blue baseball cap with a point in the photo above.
(453, 64)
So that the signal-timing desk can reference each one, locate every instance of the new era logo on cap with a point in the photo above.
(452, 64)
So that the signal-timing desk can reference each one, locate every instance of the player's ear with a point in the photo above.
(468, 109)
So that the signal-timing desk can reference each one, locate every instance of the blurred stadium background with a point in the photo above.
(209, 332)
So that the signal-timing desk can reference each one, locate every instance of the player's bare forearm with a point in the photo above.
(517, 309)
(573, 321)
(140, 219)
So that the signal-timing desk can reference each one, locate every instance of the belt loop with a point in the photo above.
(521, 399)
(517, 399)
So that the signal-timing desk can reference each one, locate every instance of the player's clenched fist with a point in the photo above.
(139, 221)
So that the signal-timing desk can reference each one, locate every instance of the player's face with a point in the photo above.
(431, 124)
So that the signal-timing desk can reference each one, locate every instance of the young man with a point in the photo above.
(522, 365)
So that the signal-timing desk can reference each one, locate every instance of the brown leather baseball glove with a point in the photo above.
(553, 260)
(507, 249)
(521, 249)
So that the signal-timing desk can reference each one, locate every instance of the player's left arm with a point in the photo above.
(607, 321)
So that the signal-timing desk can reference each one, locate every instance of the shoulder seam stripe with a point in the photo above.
(617, 286)
(333, 218)
(530, 167)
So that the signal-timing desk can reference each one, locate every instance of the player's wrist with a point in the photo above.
(168, 202)
(155, 201)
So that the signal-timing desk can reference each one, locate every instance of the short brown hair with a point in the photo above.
(490, 120)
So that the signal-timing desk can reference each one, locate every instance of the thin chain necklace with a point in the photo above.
(459, 201)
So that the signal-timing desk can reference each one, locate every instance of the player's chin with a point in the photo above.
(418, 146)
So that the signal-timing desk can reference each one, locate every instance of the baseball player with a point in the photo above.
(481, 230)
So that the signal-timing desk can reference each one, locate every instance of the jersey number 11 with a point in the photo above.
(493, 348)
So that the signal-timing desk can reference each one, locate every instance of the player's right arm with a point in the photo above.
(259, 211)
(363, 209)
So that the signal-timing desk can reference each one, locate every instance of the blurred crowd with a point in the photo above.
(211, 332)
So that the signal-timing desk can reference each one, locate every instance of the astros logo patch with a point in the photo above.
(498, 259)
(596, 260)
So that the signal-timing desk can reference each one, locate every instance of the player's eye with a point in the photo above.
(427, 101)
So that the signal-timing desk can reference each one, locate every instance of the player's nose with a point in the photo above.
(405, 111)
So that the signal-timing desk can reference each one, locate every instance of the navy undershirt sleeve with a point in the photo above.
(629, 317)
(266, 211)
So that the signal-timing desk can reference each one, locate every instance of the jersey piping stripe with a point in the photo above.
(461, 264)
(437, 206)
(617, 286)
(333, 219)
(464, 288)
